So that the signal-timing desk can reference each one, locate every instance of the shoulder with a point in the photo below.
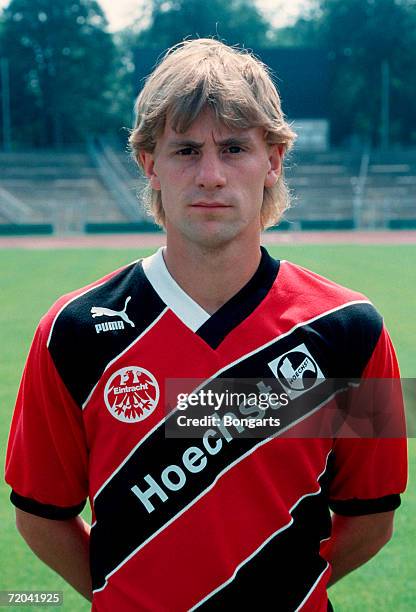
(86, 329)
(345, 319)
(306, 282)
(316, 295)
(73, 309)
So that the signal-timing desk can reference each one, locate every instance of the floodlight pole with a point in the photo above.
(5, 99)
(385, 104)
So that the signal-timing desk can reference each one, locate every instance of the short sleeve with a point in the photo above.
(46, 462)
(369, 473)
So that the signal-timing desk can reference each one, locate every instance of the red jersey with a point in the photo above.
(181, 524)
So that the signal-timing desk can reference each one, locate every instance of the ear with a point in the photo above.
(276, 152)
(147, 161)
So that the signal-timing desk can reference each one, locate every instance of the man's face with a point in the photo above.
(212, 180)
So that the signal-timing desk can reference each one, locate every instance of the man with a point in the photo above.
(215, 522)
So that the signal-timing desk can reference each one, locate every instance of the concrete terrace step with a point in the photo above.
(42, 158)
(324, 181)
(38, 172)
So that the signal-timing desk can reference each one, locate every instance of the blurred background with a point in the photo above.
(70, 70)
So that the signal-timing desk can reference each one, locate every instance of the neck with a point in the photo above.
(212, 276)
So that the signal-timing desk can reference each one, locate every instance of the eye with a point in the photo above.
(234, 149)
(186, 151)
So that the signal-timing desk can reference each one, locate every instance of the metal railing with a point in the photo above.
(115, 178)
(359, 188)
(13, 209)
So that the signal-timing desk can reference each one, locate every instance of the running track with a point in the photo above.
(154, 240)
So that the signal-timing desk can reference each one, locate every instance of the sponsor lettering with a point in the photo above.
(195, 459)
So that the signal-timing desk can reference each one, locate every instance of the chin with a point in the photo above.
(211, 239)
(213, 236)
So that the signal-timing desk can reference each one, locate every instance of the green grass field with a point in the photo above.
(32, 280)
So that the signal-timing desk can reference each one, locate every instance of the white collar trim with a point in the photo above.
(190, 313)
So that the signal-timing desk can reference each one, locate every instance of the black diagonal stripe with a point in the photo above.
(79, 353)
(123, 518)
(286, 568)
(341, 342)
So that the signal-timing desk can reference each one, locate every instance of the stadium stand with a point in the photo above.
(116, 178)
(95, 189)
(322, 186)
(390, 191)
(65, 189)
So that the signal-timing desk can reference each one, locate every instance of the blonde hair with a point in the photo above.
(235, 85)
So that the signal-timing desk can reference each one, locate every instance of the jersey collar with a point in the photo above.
(190, 313)
(211, 328)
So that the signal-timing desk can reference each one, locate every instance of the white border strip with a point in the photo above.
(256, 552)
(313, 587)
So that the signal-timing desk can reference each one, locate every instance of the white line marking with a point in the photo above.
(289, 332)
(313, 587)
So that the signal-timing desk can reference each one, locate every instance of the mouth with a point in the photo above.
(210, 205)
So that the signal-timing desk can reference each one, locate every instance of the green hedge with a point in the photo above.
(25, 229)
(402, 224)
(120, 228)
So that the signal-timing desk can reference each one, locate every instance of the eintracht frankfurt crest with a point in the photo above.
(131, 394)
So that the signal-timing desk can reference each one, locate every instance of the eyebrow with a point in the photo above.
(227, 142)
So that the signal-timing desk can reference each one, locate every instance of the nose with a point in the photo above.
(210, 172)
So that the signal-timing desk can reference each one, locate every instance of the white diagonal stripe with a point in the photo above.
(256, 552)
(313, 587)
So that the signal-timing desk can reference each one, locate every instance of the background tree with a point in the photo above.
(235, 21)
(61, 66)
(69, 77)
(361, 35)
(124, 87)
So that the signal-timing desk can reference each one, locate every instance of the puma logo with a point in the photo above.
(98, 311)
